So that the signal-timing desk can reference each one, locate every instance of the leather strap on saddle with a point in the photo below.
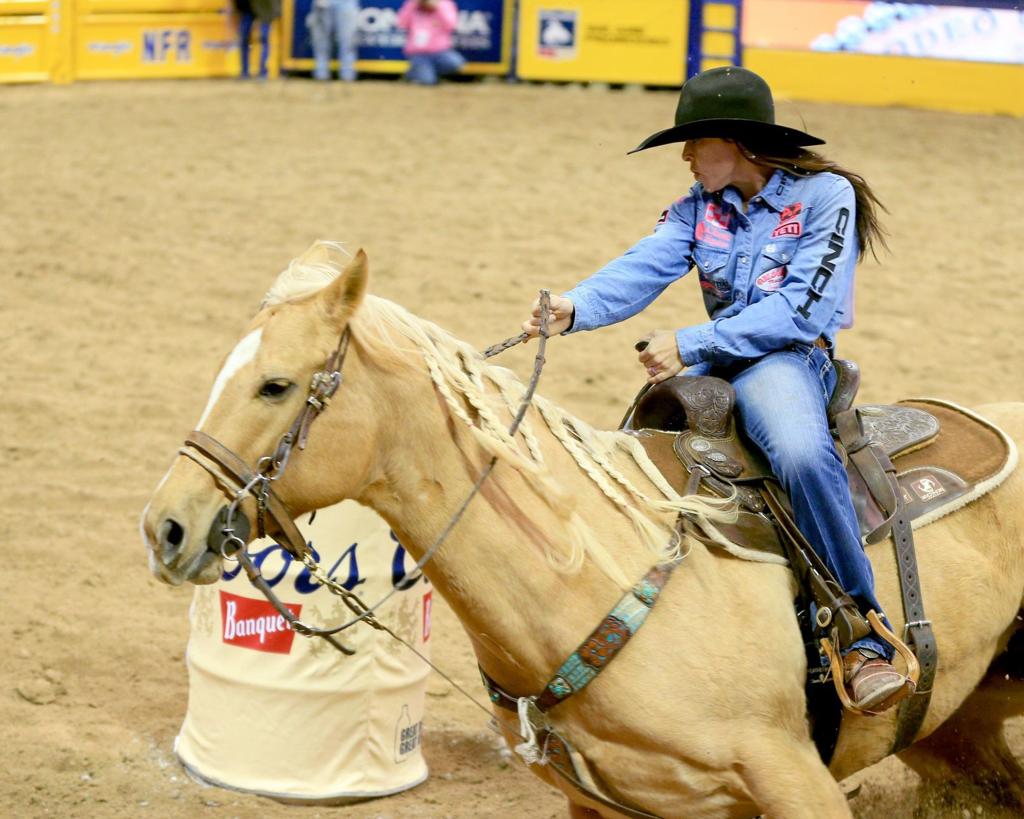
(917, 633)
(835, 608)
(874, 466)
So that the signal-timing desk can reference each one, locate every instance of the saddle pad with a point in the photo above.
(968, 458)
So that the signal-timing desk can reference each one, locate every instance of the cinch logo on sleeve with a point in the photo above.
(823, 275)
(256, 624)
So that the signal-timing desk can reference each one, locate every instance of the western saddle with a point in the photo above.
(688, 427)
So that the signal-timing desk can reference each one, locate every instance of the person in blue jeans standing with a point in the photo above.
(249, 11)
(775, 231)
(337, 19)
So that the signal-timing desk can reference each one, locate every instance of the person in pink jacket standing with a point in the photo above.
(428, 45)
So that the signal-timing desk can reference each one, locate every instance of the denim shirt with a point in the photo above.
(777, 275)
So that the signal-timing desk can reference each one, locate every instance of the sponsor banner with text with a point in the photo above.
(602, 41)
(482, 35)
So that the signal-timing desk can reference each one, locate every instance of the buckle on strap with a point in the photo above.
(914, 624)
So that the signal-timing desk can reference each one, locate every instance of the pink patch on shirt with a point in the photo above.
(789, 221)
(771, 280)
(714, 229)
(716, 216)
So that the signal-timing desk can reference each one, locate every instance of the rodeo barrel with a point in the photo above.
(276, 714)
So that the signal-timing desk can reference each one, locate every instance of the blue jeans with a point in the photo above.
(424, 69)
(340, 19)
(244, 34)
(781, 402)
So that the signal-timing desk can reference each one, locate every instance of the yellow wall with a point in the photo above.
(35, 41)
(868, 79)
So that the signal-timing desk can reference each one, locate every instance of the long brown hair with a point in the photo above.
(803, 162)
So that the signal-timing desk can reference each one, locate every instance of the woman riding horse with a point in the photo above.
(775, 231)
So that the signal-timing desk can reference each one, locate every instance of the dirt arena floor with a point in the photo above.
(140, 223)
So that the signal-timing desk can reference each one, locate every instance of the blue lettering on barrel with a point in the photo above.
(398, 573)
(304, 582)
(260, 558)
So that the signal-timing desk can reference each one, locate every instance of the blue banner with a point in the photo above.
(478, 37)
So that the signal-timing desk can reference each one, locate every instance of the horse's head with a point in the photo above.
(256, 398)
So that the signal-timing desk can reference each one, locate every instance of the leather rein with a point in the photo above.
(239, 481)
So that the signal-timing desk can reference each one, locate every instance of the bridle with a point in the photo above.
(239, 481)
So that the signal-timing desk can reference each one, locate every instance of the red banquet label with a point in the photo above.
(428, 610)
(256, 624)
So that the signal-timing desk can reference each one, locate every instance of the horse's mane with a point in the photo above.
(461, 375)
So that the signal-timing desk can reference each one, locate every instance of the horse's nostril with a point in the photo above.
(172, 537)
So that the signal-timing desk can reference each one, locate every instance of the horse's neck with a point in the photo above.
(522, 614)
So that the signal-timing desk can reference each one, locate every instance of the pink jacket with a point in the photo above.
(429, 32)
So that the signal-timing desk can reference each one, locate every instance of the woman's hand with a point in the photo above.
(660, 355)
(559, 318)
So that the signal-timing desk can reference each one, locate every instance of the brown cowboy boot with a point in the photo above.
(871, 680)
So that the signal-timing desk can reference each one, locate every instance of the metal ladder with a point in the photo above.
(716, 24)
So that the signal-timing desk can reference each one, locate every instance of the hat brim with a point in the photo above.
(729, 129)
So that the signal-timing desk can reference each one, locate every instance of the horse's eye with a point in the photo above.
(275, 389)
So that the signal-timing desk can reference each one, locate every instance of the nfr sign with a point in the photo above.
(159, 44)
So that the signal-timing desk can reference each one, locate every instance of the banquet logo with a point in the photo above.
(256, 624)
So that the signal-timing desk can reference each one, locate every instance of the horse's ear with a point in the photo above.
(342, 297)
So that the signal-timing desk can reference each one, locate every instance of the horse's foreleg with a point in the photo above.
(787, 780)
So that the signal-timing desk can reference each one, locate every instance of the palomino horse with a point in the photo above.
(703, 715)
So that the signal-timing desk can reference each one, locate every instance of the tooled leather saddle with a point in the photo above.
(688, 427)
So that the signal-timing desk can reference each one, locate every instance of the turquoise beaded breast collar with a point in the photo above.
(595, 653)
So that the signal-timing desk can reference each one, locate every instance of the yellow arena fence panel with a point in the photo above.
(35, 41)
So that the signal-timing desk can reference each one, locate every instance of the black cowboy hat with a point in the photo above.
(729, 102)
